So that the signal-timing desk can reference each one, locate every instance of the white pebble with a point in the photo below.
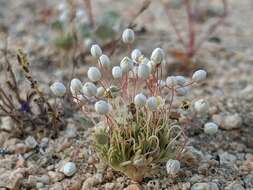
(172, 167)
(69, 169)
(210, 128)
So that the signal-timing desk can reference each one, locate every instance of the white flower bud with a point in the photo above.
(150, 66)
(199, 75)
(64, 16)
(140, 100)
(104, 60)
(100, 91)
(136, 54)
(89, 89)
(116, 72)
(171, 81)
(143, 71)
(152, 103)
(157, 56)
(126, 64)
(172, 167)
(94, 74)
(181, 80)
(182, 91)
(161, 83)
(201, 106)
(102, 107)
(58, 89)
(62, 6)
(95, 51)
(75, 86)
(134, 72)
(210, 128)
(128, 36)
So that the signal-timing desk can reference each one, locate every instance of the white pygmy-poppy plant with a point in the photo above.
(140, 109)
(58, 89)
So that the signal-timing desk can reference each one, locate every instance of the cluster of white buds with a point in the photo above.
(137, 69)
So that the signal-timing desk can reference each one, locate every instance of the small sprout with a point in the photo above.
(58, 89)
(157, 56)
(100, 91)
(126, 64)
(181, 80)
(210, 128)
(201, 106)
(95, 51)
(94, 74)
(172, 167)
(89, 89)
(102, 107)
(152, 103)
(143, 71)
(171, 81)
(104, 60)
(140, 100)
(199, 75)
(136, 54)
(116, 72)
(128, 36)
(75, 86)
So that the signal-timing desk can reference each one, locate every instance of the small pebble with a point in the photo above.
(30, 142)
(232, 122)
(69, 169)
